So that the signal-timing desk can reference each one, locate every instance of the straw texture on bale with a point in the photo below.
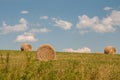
(26, 47)
(46, 52)
(110, 50)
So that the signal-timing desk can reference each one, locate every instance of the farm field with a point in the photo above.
(17, 65)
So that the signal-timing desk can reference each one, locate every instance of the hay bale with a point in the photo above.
(26, 47)
(98, 52)
(46, 52)
(109, 50)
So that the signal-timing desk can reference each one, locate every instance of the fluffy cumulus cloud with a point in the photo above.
(101, 28)
(62, 24)
(24, 12)
(81, 50)
(21, 26)
(30, 35)
(86, 22)
(26, 37)
(44, 17)
(107, 24)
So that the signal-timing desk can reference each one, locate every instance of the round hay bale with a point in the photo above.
(26, 47)
(109, 50)
(46, 52)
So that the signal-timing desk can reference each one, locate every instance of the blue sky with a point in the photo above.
(68, 25)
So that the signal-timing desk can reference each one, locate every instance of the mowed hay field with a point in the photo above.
(20, 65)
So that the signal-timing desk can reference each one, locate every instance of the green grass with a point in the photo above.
(17, 65)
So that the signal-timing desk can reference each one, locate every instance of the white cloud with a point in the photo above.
(115, 16)
(22, 26)
(81, 50)
(23, 21)
(101, 28)
(30, 35)
(107, 8)
(24, 12)
(26, 37)
(44, 17)
(42, 30)
(107, 21)
(62, 24)
(107, 24)
(86, 22)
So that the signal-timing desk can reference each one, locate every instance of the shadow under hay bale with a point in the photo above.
(46, 52)
(26, 47)
(109, 50)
